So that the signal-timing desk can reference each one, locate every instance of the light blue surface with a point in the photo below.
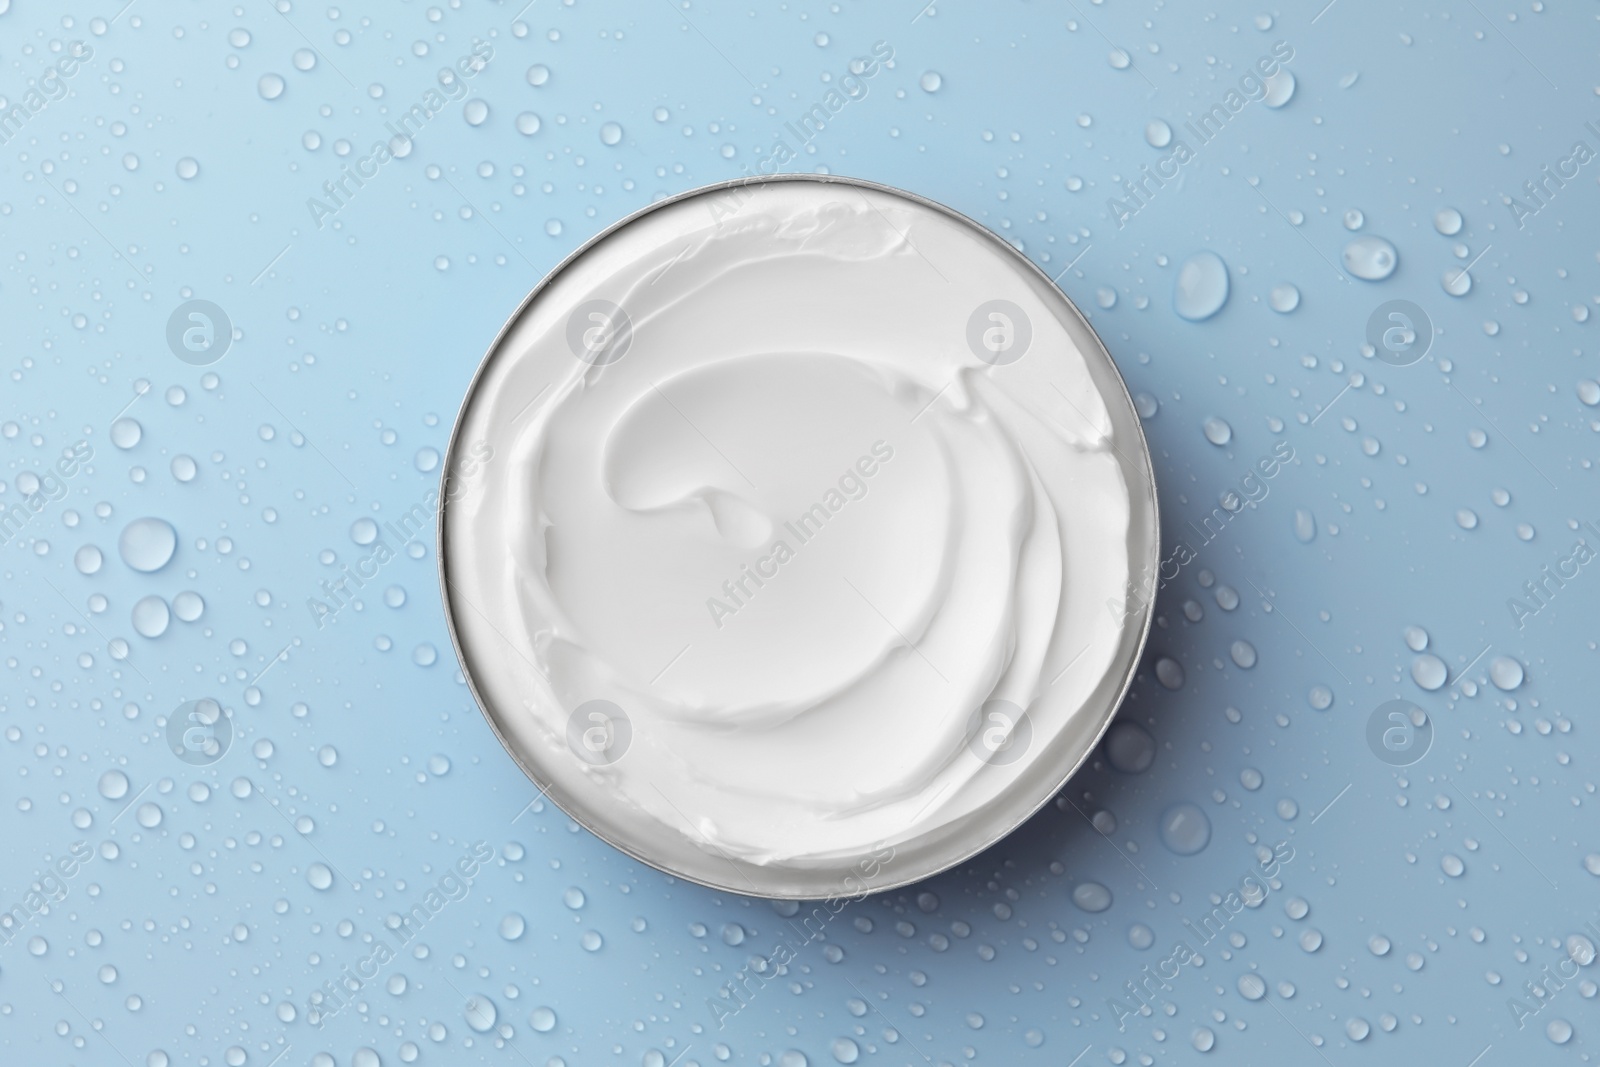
(197, 932)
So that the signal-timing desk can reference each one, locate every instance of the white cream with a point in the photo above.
(800, 533)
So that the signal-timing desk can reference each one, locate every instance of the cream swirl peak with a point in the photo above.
(802, 539)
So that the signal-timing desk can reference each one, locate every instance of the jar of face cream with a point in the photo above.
(808, 538)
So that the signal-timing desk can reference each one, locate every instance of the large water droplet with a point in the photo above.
(611, 134)
(1505, 673)
(1129, 747)
(126, 432)
(1370, 258)
(270, 86)
(1283, 298)
(147, 544)
(1280, 88)
(113, 785)
(1429, 671)
(1091, 897)
(481, 1013)
(1447, 221)
(319, 876)
(1185, 829)
(1169, 672)
(1201, 288)
(1217, 431)
(1305, 526)
(151, 617)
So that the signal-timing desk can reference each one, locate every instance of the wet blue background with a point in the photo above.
(1419, 900)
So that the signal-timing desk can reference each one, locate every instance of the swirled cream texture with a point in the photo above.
(805, 519)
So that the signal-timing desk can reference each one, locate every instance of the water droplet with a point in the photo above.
(481, 1013)
(1157, 133)
(573, 898)
(1452, 865)
(188, 606)
(1169, 673)
(931, 82)
(1456, 281)
(1559, 1031)
(1243, 654)
(1185, 830)
(88, 559)
(591, 941)
(149, 815)
(1370, 258)
(113, 785)
(1091, 897)
(1129, 747)
(1354, 219)
(1119, 59)
(1428, 671)
(1416, 638)
(847, 1051)
(512, 926)
(1505, 673)
(611, 134)
(363, 531)
(1251, 779)
(126, 432)
(1252, 986)
(543, 1020)
(1357, 1029)
(270, 86)
(147, 544)
(184, 468)
(1311, 940)
(151, 616)
(528, 123)
(1201, 288)
(732, 934)
(1141, 936)
(1280, 89)
(1217, 431)
(1203, 1039)
(188, 168)
(319, 876)
(1378, 945)
(476, 112)
(1589, 392)
(538, 74)
(1283, 298)
(1447, 221)
(1305, 526)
